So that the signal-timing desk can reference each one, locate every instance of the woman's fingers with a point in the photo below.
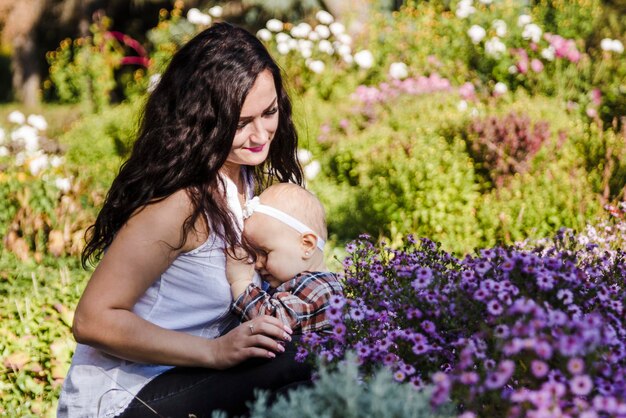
(269, 326)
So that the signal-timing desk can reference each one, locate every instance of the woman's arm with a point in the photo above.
(140, 252)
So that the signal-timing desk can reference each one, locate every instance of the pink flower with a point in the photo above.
(596, 97)
(536, 65)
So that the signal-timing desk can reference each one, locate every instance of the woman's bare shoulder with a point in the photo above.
(163, 220)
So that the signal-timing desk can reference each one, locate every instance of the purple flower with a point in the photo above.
(420, 348)
(494, 307)
(339, 331)
(428, 326)
(581, 385)
(539, 368)
(501, 331)
(356, 314)
(565, 295)
(399, 376)
(576, 365)
(545, 282)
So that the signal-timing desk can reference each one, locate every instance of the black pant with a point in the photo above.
(182, 391)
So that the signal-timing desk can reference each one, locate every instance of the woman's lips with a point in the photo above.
(256, 149)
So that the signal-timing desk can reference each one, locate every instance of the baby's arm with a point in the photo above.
(299, 303)
(239, 272)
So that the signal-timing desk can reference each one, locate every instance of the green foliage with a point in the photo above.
(401, 175)
(537, 205)
(343, 393)
(36, 344)
(569, 18)
(603, 154)
(97, 144)
(83, 70)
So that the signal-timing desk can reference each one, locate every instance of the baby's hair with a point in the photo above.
(299, 203)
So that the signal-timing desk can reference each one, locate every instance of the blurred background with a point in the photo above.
(472, 122)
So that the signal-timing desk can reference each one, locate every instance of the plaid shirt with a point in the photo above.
(300, 302)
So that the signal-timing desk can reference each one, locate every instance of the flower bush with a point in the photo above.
(507, 332)
(42, 212)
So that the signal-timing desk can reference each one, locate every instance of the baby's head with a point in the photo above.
(287, 230)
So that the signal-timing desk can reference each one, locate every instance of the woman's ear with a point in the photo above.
(308, 244)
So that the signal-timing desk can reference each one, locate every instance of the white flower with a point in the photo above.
(486, 1)
(282, 37)
(464, 8)
(314, 36)
(500, 88)
(462, 106)
(25, 134)
(283, 48)
(305, 47)
(344, 38)
(322, 31)
(324, 17)
(348, 59)
(548, 53)
(512, 69)
(364, 59)
(304, 155)
(612, 45)
(31, 144)
(316, 66)
(63, 184)
(398, 70)
(17, 117)
(293, 44)
(2, 136)
(618, 46)
(476, 33)
(325, 46)
(4, 151)
(264, 34)
(305, 44)
(37, 164)
(20, 159)
(312, 169)
(344, 49)
(56, 161)
(523, 20)
(606, 44)
(196, 17)
(37, 122)
(301, 30)
(337, 28)
(494, 47)
(500, 27)
(532, 32)
(153, 82)
(216, 11)
(274, 25)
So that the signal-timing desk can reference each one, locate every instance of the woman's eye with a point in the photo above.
(241, 125)
(272, 111)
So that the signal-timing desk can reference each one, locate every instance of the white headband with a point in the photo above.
(254, 205)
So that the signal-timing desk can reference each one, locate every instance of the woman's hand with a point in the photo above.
(260, 337)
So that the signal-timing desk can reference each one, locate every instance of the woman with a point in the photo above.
(155, 337)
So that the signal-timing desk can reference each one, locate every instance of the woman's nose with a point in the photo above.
(260, 133)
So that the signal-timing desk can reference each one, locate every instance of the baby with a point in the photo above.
(286, 227)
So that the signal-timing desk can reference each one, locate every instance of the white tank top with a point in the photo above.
(191, 296)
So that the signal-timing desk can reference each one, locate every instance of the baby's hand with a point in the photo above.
(239, 268)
